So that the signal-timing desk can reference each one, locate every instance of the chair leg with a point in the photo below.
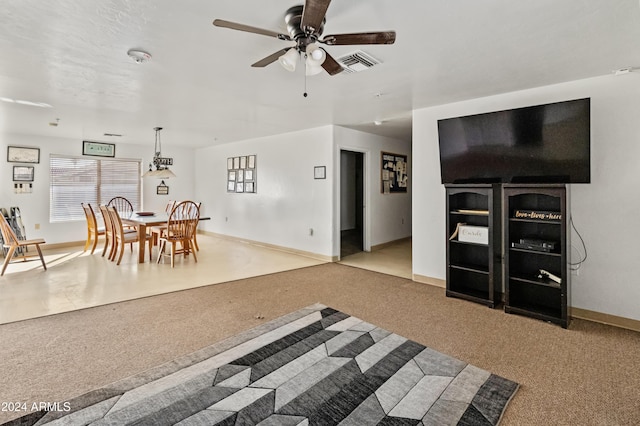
(150, 240)
(7, 259)
(86, 245)
(195, 241)
(106, 244)
(160, 249)
(192, 251)
(121, 253)
(44, 265)
(173, 252)
(95, 242)
(114, 250)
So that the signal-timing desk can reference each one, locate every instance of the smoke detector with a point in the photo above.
(139, 56)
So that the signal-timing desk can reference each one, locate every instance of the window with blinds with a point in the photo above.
(76, 180)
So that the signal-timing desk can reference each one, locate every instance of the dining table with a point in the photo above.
(142, 220)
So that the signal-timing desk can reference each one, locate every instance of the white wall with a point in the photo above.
(289, 201)
(388, 215)
(34, 207)
(604, 212)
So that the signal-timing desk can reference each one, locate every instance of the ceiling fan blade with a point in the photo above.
(331, 66)
(270, 59)
(246, 28)
(381, 37)
(313, 14)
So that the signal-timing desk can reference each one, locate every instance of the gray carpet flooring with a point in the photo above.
(316, 366)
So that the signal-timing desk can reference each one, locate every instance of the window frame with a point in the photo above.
(84, 186)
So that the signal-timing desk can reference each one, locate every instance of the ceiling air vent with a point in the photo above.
(357, 61)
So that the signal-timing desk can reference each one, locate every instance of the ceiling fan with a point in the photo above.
(305, 24)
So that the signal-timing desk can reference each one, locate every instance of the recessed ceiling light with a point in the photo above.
(377, 122)
(115, 135)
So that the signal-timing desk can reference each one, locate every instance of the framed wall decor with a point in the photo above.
(394, 177)
(98, 149)
(23, 154)
(241, 174)
(23, 173)
(162, 189)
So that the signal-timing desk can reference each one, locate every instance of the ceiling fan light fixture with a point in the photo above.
(289, 60)
(315, 55)
(313, 69)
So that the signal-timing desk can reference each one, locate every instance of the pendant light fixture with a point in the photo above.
(161, 163)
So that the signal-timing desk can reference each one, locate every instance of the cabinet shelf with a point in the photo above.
(536, 252)
(473, 296)
(543, 313)
(549, 222)
(473, 269)
(470, 212)
(467, 243)
(537, 281)
(525, 294)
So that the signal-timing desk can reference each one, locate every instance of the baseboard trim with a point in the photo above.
(312, 255)
(423, 279)
(616, 321)
(68, 244)
(389, 243)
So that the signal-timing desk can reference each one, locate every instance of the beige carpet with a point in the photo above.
(584, 375)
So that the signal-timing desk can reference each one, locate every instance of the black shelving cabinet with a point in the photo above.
(535, 239)
(473, 269)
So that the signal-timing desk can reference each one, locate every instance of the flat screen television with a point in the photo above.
(538, 144)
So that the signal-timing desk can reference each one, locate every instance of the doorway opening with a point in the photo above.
(351, 202)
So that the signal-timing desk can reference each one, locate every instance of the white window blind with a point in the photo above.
(76, 180)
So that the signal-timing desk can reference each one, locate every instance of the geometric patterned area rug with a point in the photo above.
(316, 366)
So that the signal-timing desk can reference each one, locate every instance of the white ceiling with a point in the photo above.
(199, 86)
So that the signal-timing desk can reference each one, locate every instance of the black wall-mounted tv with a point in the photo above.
(538, 144)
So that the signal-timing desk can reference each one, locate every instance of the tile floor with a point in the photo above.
(76, 280)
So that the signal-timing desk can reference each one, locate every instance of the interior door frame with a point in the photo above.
(366, 184)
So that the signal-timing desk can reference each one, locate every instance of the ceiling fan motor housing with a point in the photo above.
(293, 18)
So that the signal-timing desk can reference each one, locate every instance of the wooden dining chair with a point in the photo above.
(12, 243)
(159, 230)
(181, 226)
(93, 229)
(124, 208)
(195, 233)
(122, 205)
(122, 237)
(109, 237)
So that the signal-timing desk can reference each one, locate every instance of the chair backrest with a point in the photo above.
(169, 207)
(183, 220)
(8, 235)
(92, 223)
(122, 205)
(108, 223)
(116, 222)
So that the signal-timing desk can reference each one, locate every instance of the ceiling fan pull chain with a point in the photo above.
(305, 79)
